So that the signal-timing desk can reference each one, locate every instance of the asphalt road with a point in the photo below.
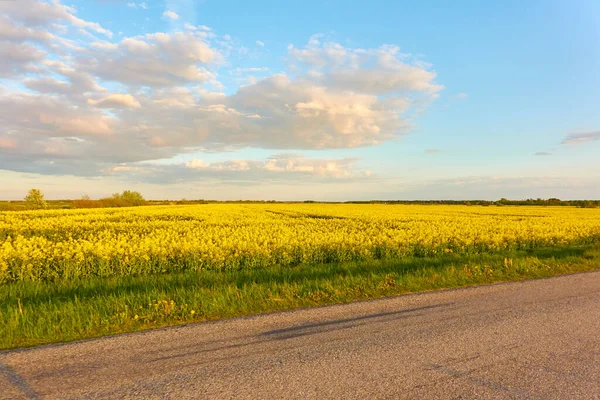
(535, 339)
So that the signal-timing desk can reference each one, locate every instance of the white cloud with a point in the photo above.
(384, 80)
(159, 59)
(78, 125)
(33, 15)
(581, 137)
(18, 58)
(196, 163)
(337, 168)
(301, 114)
(79, 82)
(209, 97)
(90, 25)
(36, 13)
(260, 43)
(11, 31)
(171, 15)
(125, 168)
(36, 118)
(47, 85)
(140, 5)
(104, 45)
(252, 69)
(277, 167)
(281, 163)
(116, 100)
(460, 96)
(172, 102)
(181, 98)
(377, 71)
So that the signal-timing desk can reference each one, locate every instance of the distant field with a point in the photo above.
(68, 274)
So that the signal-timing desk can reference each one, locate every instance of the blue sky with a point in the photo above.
(326, 100)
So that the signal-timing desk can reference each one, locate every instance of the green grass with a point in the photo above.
(33, 313)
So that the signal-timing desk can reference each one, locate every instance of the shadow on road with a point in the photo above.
(288, 333)
(319, 327)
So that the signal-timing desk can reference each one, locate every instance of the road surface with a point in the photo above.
(535, 339)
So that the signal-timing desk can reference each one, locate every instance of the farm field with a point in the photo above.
(67, 244)
(72, 274)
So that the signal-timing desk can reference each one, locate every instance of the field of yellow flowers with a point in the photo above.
(51, 245)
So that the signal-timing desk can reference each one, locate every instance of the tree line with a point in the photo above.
(35, 200)
(501, 202)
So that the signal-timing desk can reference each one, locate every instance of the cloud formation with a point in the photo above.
(86, 104)
(278, 168)
(155, 60)
(283, 163)
(581, 137)
(18, 58)
(116, 100)
(32, 13)
(379, 71)
(140, 5)
(171, 15)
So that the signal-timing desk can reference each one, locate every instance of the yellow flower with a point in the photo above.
(155, 239)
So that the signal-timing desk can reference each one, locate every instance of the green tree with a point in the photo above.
(35, 199)
(134, 198)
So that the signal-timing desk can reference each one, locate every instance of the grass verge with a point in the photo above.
(33, 313)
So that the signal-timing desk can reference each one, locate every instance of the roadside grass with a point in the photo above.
(34, 313)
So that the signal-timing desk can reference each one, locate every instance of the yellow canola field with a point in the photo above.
(65, 244)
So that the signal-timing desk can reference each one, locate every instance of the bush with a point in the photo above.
(125, 199)
(86, 202)
(9, 206)
(133, 198)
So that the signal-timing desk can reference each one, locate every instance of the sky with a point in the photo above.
(321, 100)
